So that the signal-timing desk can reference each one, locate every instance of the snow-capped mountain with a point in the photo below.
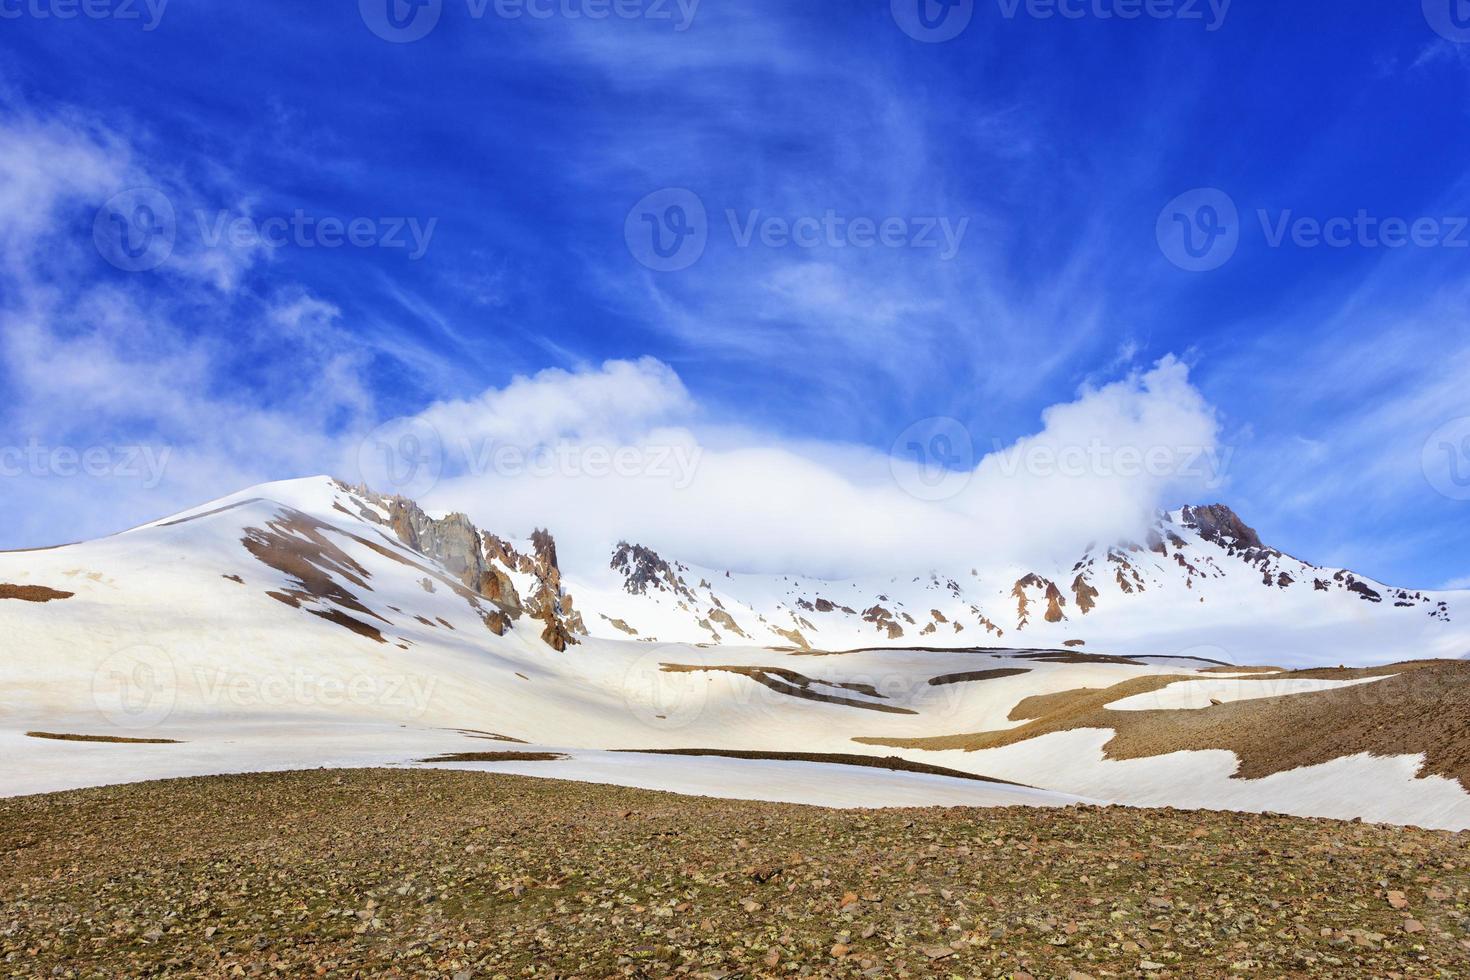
(1202, 577)
(1202, 580)
(310, 623)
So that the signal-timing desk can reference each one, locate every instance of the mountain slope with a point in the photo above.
(307, 623)
(1202, 583)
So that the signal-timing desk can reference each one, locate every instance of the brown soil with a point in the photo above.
(491, 736)
(891, 762)
(427, 873)
(1045, 705)
(1226, 669)
(32, 593)
(978, 675)
(497, 757)
(298, 546)
(1420, 707)
(115, 739)
(1073, 657)
(797, 685)
(355, 625)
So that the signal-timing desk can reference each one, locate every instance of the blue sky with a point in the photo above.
(1053, 146)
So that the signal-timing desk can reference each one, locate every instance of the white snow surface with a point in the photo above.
(157, 642)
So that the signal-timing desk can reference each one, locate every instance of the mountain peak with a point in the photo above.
(1215, 522)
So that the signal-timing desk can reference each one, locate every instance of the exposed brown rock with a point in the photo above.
(643, 569)
(620, 625)
(727, 621)
(32, 593)
(1219, 524)
(797, 685)
(978, 675)
(883, 619)
(1084, 593)
(108, 739)
(1053, 595)
(793, 635)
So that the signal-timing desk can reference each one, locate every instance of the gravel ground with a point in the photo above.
(464, 875)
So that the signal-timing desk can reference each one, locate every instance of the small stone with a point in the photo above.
(1413, 925)
(1397, 900)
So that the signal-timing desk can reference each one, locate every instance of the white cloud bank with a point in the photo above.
(621, 451)
(230, 387)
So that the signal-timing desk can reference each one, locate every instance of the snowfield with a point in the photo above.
(283, 628)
